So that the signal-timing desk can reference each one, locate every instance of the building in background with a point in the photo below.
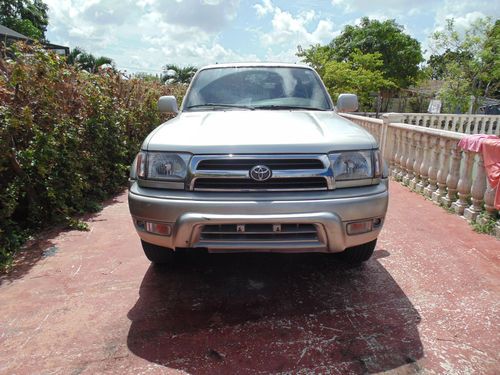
(8, 36)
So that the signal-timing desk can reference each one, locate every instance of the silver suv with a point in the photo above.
(258, 160)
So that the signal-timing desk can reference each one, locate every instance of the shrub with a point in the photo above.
(67, 139)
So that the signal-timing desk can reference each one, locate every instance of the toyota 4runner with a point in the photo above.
(258, 160)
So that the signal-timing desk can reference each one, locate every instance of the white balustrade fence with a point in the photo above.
(468, 124)
(429, 161)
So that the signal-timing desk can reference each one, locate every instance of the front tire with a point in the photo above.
(157, 254)
(358, 254)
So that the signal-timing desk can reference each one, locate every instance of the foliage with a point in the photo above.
(456, 89)
(360, 75)
(437, 63)
(28, 17)
(484, 223)
(174, 74)
(88, 61)
(147, 77)
(469, 62)
(372, 36)
(67, 139)
(316, 56)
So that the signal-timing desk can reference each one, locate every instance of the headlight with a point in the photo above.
(355, 165)
(162, 166)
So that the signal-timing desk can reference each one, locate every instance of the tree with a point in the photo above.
(400, 53)
(28, 17)
(360, 75)
(87, 61)
(438, 62)
(455, 91)
(470, 60)
(174, 74)
(316, 56)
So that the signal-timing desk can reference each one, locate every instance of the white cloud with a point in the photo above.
(389, 7)
(293, 30)
(207, 15)
(265, 8)
(464, 14)
(148, 34)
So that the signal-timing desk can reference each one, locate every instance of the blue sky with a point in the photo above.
(144, 35)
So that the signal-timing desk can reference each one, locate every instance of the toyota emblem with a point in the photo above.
(260, 173)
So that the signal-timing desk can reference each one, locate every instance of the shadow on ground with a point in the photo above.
(44, 245)
(247, 313)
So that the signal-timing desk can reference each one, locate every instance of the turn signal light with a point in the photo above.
(359, 227)
(156, 228)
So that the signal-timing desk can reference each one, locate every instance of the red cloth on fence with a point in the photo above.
(473, 142)
(491, 156)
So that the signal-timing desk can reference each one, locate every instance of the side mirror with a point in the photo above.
(167, 104)
(347, 103)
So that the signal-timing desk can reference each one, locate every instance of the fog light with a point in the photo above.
(359, 227)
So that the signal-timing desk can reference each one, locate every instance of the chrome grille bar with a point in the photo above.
(236, 163)
(295, 172)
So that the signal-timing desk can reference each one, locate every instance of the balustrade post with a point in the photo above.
(410, 158)
(489, 205)
(394, 168)
(433, 168)
(453, 176)
(387, 118)
(417, 162)
(478, 190)
(464, 184)
(402, 159)
(442, 174)
(424, 165)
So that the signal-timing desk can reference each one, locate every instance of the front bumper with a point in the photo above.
(329, 212)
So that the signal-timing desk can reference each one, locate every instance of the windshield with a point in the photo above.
(257, 88)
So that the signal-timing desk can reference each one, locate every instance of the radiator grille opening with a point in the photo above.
(259, 232)
(285, 184)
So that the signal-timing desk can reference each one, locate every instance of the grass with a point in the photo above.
(484, 224)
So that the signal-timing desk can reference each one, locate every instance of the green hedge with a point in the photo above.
(67, 139)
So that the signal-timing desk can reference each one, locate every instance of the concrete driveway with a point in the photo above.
(90, 302)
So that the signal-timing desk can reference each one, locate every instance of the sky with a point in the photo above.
(144, 35)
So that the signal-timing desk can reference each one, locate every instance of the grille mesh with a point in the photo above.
(259, 232)
(286, 184)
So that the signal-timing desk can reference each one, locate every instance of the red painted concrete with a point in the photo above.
(91, 303)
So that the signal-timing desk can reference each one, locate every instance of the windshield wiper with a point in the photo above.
(276, 106)
(220, 105)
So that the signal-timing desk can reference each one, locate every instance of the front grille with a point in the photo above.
(247, 164)
(290, 172)
(242, 184)
(259, 233)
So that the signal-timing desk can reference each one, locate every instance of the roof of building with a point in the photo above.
(5, 31)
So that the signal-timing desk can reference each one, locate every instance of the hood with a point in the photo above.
(259, 131)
